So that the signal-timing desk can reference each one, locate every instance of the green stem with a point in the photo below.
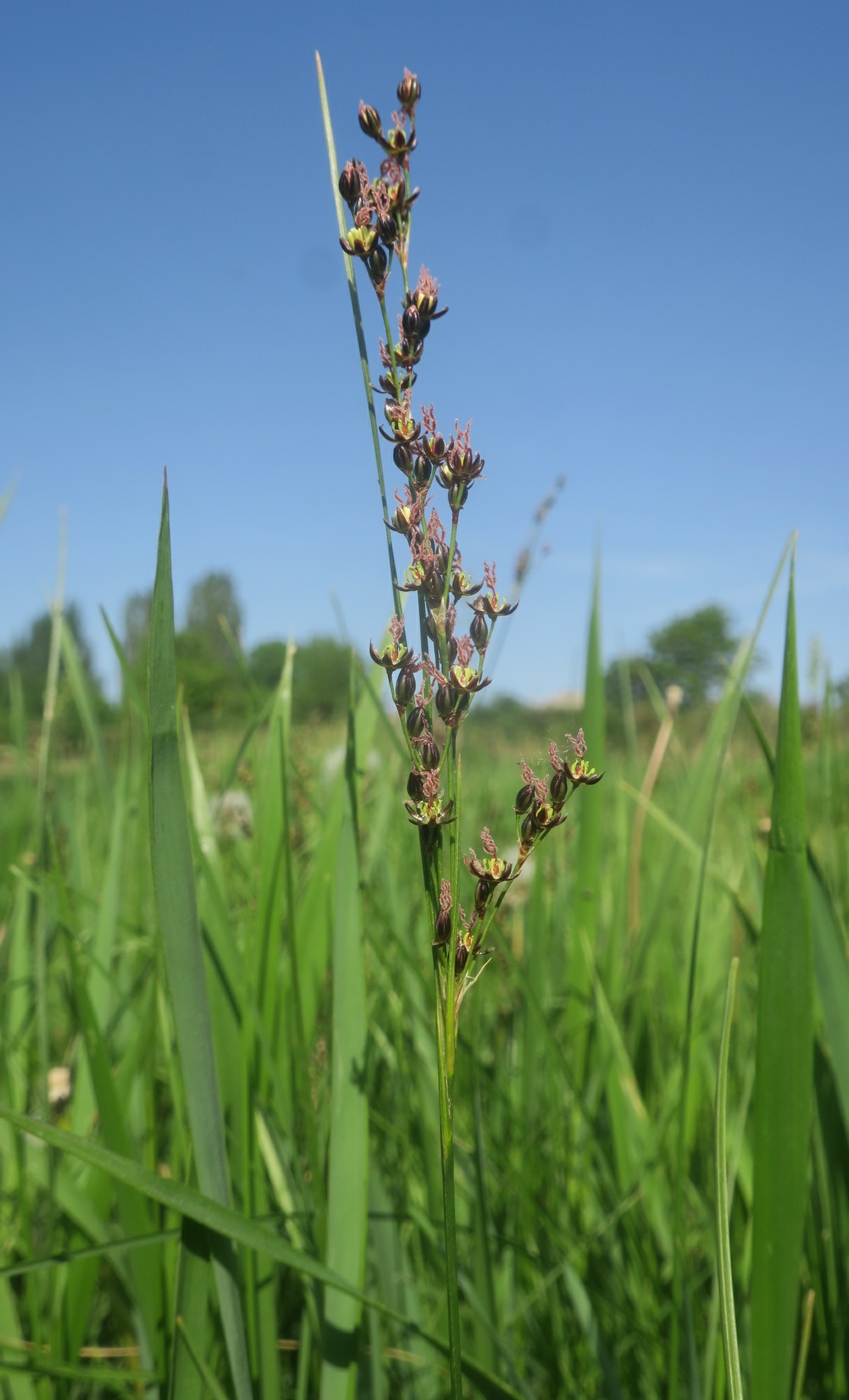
(358, 325)
(390, 346)
(446, 1138)
(681, 1145)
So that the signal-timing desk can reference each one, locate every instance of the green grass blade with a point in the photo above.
(132, 688)
(347, 1205)
(193, 1288)
(94, 1251)
(228, 1223)
(133, 1209)
(81, 692)
(723, 1239)
(107, 1379)
(784, 1065)
(585, 904)
(20, 1387)
(358, 325)
(831, 965)
(101, 987)
(175, 896)
(208, 1381)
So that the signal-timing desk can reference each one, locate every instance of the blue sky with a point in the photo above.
(639, 217)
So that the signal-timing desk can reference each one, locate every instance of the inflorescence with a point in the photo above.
(433, 689)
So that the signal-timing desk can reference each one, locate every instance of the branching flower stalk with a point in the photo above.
(433, 689)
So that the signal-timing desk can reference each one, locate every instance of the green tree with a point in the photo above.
(693, 651)
(137, 627)
(29, 657)
(211, 598)
(320, 679)
(320, 675)
(266, 663)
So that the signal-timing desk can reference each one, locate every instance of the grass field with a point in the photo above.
(291, 1106)
(315, 947)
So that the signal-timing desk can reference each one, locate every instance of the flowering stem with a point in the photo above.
(446, 1040)
(390, 346)
(446, 1137)
(450, 566)
(358, 325)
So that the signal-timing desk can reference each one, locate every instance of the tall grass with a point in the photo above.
(242, 1192)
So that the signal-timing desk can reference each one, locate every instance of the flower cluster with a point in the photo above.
(539, 803)
(433, 688)
(381, 208)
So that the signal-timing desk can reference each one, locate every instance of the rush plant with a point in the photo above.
(434, 680)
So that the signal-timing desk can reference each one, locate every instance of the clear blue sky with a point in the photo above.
(639, 217)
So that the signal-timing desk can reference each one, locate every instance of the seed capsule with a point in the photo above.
(388, 229)
(558, 788)
(416, 722)
(446, 698)
(412, 322)
(458, 492)
(421, 471)
(481, 895)
(402, 457)
(409, 90)
(442, 931)
(405, 688)
(479, 632)
(349, 185)
(370, 121)
(377, 261)
(529, 829)
(415, 785)
(428, 753)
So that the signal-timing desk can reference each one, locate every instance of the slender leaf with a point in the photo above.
(347, 1205)
(723, 1239)
(784, 1073)
(175, 895)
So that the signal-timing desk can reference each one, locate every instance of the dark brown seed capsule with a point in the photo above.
(524, 799)
(405, 688)
(529, 829)
(369, 121)
(479, 632)
(412, 322)
(442, 931)
(421, 472)
(402, 457)
(349, 185)
(428, 753)
(388, 229)
(558, 788)
(415, 785)
(446, 698)
(416, 723)
(482, 890)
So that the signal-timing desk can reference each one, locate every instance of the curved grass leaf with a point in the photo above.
(193, 1280)
(347, 1201)
(723, 1241)
(229, 1224)
(175, 896)
(784, 1064)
